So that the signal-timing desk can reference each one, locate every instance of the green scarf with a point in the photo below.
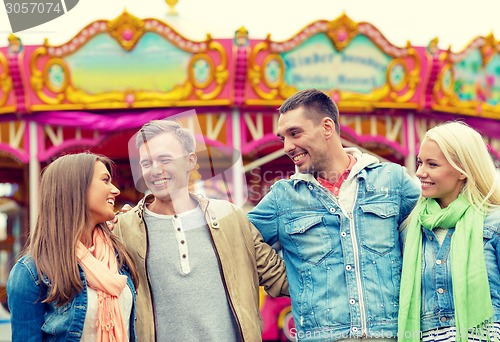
(471, 290)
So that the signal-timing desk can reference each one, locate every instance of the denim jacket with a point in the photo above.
(343, 262)
(437, 292)
(33, 320)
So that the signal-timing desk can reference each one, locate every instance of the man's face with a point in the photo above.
(303, 141)
(165, 165)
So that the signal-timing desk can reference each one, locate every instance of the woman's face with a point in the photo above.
(101, 195)
(439, 179)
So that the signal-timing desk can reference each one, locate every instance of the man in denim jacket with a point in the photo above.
(337, 221)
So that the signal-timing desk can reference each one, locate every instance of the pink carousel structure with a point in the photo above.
(97, 89)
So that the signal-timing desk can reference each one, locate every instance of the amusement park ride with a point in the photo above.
(95, 91)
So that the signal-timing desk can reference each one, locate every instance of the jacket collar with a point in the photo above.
(148, 199)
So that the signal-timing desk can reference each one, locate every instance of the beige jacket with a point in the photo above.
(245, 261)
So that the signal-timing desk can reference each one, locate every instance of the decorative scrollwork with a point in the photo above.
(220, 75)
(51, 73)
(341, 31)
(452, 93)
(127, 30)
(5, 80)
(269, 64)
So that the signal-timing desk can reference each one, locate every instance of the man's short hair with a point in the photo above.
(317, 103)
(157, 127)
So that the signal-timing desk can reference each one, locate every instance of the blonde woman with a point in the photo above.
(450, 288)
(75, 281)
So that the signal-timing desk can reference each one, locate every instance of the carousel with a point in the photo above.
(95, 91)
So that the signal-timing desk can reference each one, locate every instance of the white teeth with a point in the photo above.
(298, 157)
(160, 182)
(110, 201)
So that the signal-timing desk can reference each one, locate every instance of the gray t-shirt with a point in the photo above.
(188, 292)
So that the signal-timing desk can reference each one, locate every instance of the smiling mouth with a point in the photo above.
(298, 157)
(111, 201)
(161, 181)
(426, 183)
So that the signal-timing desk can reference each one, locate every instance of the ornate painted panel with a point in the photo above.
(352, 62)
(130, 63)
(469, 82)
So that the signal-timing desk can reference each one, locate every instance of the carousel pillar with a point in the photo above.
(34, 172)
(238, 170)
(410, 162)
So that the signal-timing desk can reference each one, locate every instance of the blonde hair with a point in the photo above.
(465, 150)
(62, 216)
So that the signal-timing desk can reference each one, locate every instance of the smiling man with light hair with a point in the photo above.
(200, 260)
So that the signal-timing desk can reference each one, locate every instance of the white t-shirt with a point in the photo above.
(90, 327)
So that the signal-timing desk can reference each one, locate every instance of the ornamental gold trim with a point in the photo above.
(127, 30)
(447, 100)
(255, 73)
(438, 86)
(411, 78)
(46, 70)
(38, 83)
(279, 81)
(394, 63)
(191, 76)
(221, 74)
(489, 48)
(5, 81)
(341, 32)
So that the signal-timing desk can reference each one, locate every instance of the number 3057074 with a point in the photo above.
(33, 7)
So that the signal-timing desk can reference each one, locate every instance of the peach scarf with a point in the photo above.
(101, 272)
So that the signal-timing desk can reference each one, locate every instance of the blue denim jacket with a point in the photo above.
(343, 264)
(43, 321)
(437, 292)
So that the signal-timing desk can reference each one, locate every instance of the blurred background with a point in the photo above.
(89, 79)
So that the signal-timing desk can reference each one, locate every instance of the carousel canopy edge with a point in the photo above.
(130, 63)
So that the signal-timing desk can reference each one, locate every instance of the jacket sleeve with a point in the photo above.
(117, 230)
(497, 252)
(410, 191)
(264, 216)
(493, 223)
(270, 266)
(27, 312)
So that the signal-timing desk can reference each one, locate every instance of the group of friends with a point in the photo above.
(369, 253)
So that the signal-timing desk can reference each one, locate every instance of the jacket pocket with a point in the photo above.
(487, 233)
(311, 238)
(379, 226)
(58, 320)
